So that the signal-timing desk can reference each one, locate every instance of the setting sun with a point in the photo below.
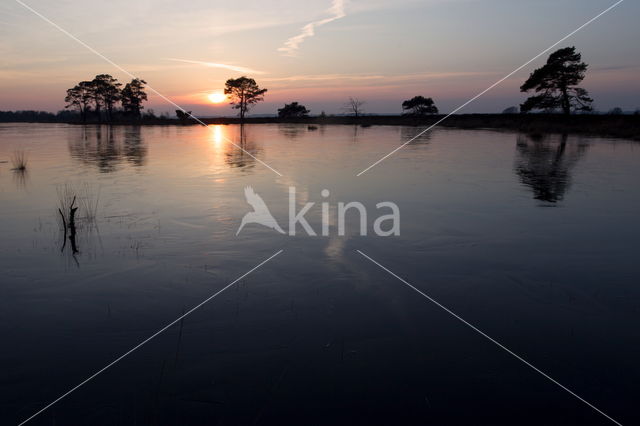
(217, 97)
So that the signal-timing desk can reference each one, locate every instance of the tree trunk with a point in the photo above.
(243, 106)
(566, 105)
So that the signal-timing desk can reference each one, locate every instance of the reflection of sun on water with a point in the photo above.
(216, 145)
(217, 135)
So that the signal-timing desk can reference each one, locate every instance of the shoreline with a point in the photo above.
(616, 126)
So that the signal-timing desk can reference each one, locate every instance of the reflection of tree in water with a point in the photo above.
(356, 133)
(544, 164)
(21, 178)
(135, 150)
(106, 147)
(237, 156)
(292, 131)
(408, 133)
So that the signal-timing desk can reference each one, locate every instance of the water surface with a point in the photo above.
(531, 238)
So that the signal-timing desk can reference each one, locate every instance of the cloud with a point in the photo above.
(292, 44)
(325, 77)
(333, 78)
(236, 68)
(614, 68)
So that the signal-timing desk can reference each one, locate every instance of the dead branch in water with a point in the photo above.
(70, 226)
(64, 226)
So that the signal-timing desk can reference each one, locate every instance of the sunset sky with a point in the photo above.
(316, 52)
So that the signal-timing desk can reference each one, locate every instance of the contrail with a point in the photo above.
(293, 44)
(237, 68)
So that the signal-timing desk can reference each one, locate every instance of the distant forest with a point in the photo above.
(38, 117)
(64, 116)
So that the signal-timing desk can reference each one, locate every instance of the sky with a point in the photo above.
(316, 52)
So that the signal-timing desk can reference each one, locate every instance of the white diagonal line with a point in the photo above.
(91, 49)
(492, 86)
(491, 339)
(145, 341)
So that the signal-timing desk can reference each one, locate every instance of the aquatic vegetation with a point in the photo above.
(66, 197)
(87, 197)
(19, 160)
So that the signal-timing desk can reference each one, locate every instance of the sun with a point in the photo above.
(216, 97)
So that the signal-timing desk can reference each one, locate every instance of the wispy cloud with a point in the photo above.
(325, 77)
(389, 78)
(230, 67)
(292, 45)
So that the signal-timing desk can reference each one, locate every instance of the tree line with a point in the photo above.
(555, 87)
(244, 92)
(30, 116)
(100, 97)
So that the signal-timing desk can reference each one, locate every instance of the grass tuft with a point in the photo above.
(19, 160)
(66, 194)
(87, 198)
